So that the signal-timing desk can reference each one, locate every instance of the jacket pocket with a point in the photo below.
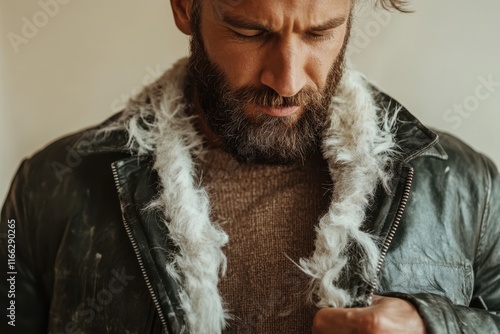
(454, 281)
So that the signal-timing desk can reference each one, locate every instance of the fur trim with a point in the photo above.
(157, 123)
(358, 147)
(358, 152)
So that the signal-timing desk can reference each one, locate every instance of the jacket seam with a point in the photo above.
(23, 211)
(37, 269)
(433, 155)
(485, 214)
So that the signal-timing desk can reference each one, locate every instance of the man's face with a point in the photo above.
(264, 72)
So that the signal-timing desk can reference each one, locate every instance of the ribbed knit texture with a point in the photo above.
(269, 212)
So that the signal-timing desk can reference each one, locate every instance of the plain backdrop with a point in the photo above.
(69, 64)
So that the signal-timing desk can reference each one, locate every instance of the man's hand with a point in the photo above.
(386, 315)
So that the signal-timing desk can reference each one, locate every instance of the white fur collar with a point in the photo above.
(358, 146)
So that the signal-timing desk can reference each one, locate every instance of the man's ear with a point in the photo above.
(182, 14)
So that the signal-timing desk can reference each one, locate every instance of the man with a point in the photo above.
(260, 186)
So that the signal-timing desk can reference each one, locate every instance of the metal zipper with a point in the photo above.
(139, 258)
(392, 231)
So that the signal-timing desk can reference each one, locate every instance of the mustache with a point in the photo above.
(267, 97)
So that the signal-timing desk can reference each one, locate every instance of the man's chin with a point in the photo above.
(274, 141)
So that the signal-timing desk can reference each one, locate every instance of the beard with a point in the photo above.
(260, 138)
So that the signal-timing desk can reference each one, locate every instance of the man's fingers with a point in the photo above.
(386, 315)
(339, 320)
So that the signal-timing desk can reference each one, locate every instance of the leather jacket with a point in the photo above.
(87, 259)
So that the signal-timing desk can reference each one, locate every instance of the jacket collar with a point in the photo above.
(412, 137)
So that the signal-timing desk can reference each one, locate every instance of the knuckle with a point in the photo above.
(372, 322)
(319, 321)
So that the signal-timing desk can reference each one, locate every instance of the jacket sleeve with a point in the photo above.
(22, 294)
(483, 314)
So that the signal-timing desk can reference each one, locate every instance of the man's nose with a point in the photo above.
(284, 68)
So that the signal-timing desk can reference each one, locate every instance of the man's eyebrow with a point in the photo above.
(238, 22)
(242, 23)
(330, 24)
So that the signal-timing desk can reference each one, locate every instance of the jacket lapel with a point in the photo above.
(414, 140)
(137, 184)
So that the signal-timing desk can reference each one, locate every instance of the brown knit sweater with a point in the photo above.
(269, 213)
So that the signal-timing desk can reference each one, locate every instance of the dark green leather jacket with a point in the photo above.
(89, 260)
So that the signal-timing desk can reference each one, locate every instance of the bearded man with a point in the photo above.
(259, 186)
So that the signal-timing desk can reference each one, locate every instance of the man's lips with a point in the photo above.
(280, 111)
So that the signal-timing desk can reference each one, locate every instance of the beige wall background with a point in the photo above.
(68, 64)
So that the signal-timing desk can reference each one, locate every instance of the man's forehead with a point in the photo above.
(303, 13)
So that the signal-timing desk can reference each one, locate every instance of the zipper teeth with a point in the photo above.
(394, 227)
(139, 258)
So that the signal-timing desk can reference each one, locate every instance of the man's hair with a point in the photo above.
(400, 5)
